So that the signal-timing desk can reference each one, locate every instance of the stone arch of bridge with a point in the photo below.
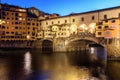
(67, 42)
(47, 39)
(47, 45)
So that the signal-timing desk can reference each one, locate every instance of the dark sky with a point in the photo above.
(65, 7)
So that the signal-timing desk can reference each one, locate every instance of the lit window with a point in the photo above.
(20, 14)
(23, 19)
(20, 18)
(12, 27)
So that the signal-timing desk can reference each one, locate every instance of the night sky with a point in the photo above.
(65, 7)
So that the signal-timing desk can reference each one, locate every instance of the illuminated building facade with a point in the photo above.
(26, 25)
(13, 30)
(91, 22)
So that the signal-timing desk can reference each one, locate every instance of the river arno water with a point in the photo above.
(33, 65)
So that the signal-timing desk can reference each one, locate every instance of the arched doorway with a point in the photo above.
(47, 46)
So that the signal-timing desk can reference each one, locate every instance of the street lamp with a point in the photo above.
(28, 37)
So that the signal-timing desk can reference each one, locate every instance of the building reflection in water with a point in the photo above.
(33, 65)
(27, 63)
(59, 67)
(3, 70)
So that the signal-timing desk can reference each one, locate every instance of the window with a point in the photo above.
(99, 27)
(82, 19)
(93, 17)
(28, 19)
(12, 13)
(73, 20)
(58, 22)
(37, 24)
(28, 32)
(105, 16)
(20, 22)
(28, 23)
(52, 22)
(3, 13)
(65, 21)
(99, 33)
(33, 24)
(12, 18)
(3, 27)
(16, 27)
(33, 33)
(106, 26)
(20, 14)
(28, 27)
(8, 18)
(20, 19)
(20, 27)
(12, 32)
(16, 14)
(3, 32)
(7, 32)
(113, 21)
(119, 15)
(33, 29)
(16, 18)
(16, 22)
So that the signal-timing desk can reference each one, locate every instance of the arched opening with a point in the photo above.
(88, 52)
(47, 46)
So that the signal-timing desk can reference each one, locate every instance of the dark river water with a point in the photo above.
(33, 65)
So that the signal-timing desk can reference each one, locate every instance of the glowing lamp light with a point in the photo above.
(28, 37)
(86, 28)
(92, 25)
(73, 28)
(92, 50)
(27, 62)
(1, 22)
(82, 26)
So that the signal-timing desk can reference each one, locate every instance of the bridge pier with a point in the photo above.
(59, 45)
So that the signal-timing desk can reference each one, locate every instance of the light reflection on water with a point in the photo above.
(34, 65)
(3, 69)
(60, 69)
(27, 63)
